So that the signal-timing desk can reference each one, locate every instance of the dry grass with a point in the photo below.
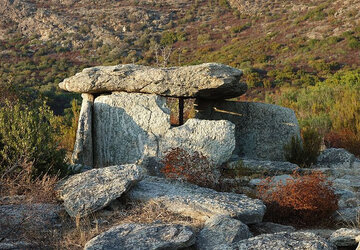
(76, 232)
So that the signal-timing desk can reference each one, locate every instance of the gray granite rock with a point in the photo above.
(37, 217)
(143, 237)
(250, 167)
(197, 202)
(282, 241)
(219, 230)
(94, 189)
(345, 237)
(83, 148)
(128, 127)
(208, 80)
(336, 158)
(270, 228)
(261, 130)
(214, 139)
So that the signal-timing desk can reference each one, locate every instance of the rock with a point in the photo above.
(208, 80)
(270, 228)
(345, 237)
(336, 158)
(214, 139)
(128, 127)
(250, 167)
(221, 229)
(143, 237)
(347, 216)
(83, 148)
(274, 181)
(38, 216)
(321, 232)
(283, 240)
(261, 130)
(197, 202)
(94, 189)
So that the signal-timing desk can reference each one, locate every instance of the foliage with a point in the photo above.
(191, 167)
(27, 137)
(304, 152)
(299, 200)
(345, 138)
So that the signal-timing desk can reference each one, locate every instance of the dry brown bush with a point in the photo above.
(303, 200)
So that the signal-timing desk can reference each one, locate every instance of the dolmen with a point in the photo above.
(124, 116)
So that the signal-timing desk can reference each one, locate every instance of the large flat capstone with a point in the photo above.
(197, 202)
(208, 80)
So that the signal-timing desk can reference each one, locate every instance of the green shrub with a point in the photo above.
(305, 151)
(26, 135)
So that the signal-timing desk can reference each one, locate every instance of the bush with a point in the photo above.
(343, 139)
(26, 136)
(194, 168)
(304, 152)
(303, 200)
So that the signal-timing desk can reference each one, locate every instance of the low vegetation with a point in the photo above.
(299, 200)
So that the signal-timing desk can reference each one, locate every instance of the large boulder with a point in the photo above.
(208, 80)
(143, 237)
(127, 127)
(261, 130)
(83, 148)
(283, 240)
(92, 190)
(214, 139)
(220, 230)
(197, 202)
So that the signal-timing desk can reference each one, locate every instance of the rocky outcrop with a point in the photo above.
(345, 237)
(294, 241)
(261, 130)
(220, 230)
(208, 80)
(94, 189)
(197, 202)
(214, 139)
(127, 127)
(143, 237)
(83, 148)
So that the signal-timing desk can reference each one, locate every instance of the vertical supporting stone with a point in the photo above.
(83, 149)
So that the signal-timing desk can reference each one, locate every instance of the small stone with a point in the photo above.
(345, 237)
(270, 228)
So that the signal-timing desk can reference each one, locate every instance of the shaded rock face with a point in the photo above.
(270, 228)
(261, 130)
(94, 189)
(221, 230)
(295, 241)
(83, 148)
(208, 80)
(197, 202)
(129, 127)
(143, 237)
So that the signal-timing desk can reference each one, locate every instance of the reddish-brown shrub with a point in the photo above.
(303, 200)
(194, 168)
(343, 139)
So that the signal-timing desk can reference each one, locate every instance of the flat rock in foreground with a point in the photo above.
(282, 241)
(197, 202)
(94, 189)
(143, 237)
(208, 80)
